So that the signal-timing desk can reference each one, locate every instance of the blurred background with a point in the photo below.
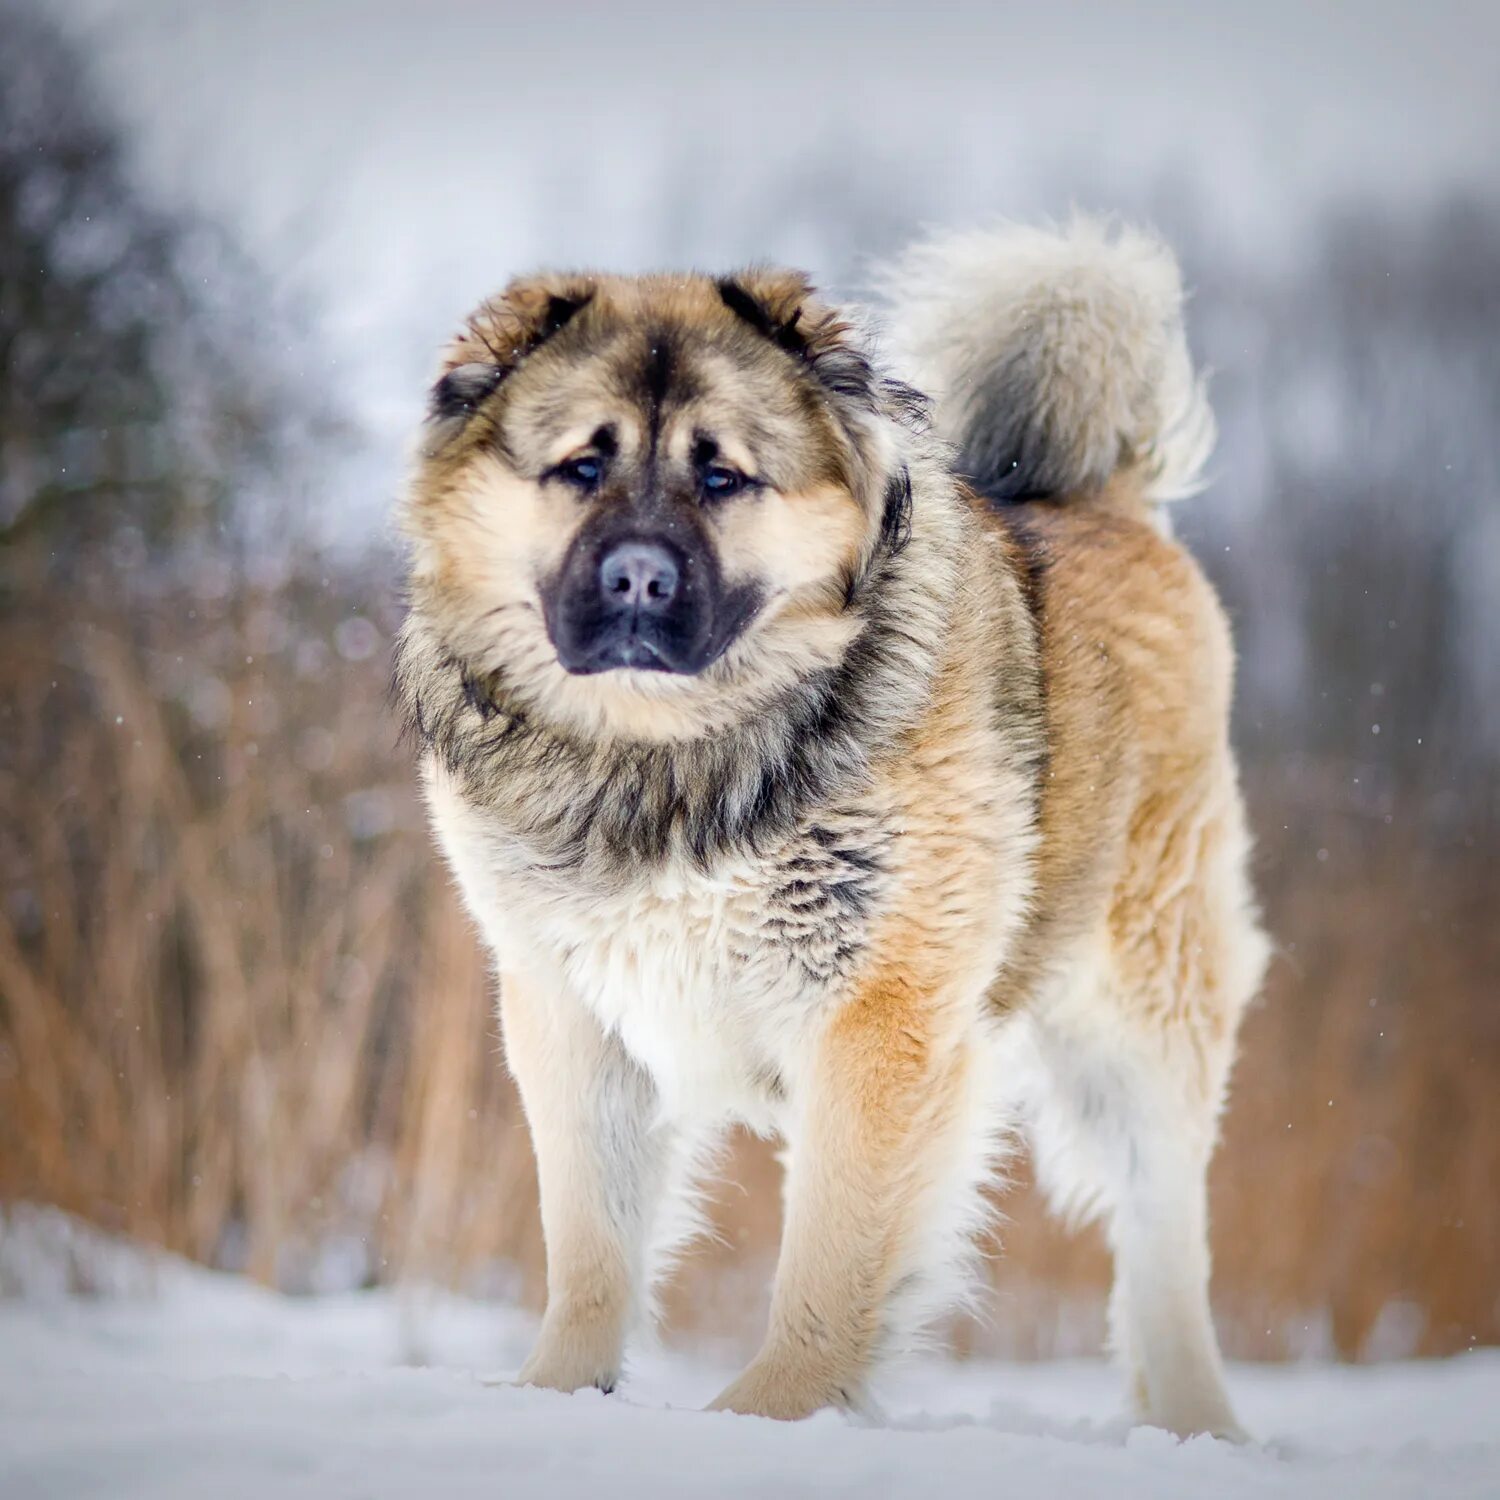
(241, 1014)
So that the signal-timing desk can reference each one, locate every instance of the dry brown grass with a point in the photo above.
(219, 906)
(242, 1016)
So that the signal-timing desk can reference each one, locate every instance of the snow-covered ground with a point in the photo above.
(174, 1382)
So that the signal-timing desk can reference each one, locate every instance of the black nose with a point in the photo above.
(639, 575)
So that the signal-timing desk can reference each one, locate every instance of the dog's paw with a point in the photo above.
(567, 1375)
(1214, 1424)
(572, 1358)
(780, 1392)
(1232, 1432)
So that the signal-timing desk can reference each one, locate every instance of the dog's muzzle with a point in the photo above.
(638, 584)
(640, 601)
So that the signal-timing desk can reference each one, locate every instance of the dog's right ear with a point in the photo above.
(498, 337)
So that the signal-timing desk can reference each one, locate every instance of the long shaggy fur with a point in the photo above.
(926, 816)
(1056, 356)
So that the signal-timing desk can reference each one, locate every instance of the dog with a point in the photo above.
(849, 763)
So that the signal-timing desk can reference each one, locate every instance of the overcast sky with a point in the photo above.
(394, 163)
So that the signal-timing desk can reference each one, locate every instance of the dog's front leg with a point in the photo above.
(601, 1169)
(879, 1118)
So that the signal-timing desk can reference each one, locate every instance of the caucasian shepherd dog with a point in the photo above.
(846, 766)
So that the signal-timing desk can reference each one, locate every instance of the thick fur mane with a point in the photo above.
(615, 803)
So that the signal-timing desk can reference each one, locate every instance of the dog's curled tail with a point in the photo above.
(1055, 357)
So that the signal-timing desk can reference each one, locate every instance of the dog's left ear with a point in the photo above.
(784, 307)
(500, 335)
(774, 302)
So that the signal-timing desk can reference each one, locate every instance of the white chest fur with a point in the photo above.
(701, 976)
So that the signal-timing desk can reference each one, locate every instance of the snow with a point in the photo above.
(176, 1382)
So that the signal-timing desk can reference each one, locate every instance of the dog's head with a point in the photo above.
(647, 504)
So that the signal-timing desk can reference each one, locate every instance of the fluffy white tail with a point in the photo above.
(1055, 357)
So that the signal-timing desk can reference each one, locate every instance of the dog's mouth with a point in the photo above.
(637, 650)
(629, 651)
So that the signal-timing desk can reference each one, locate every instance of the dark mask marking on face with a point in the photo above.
(635, 592)
(656, 377)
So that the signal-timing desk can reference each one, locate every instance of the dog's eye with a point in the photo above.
(584, 473)
(720, 482)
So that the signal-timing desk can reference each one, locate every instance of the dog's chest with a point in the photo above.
(711, 979)
(698, 988)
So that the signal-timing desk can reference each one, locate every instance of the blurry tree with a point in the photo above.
(138, 385)
(1355, 525)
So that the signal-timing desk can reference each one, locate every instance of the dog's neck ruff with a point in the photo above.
(615, 804)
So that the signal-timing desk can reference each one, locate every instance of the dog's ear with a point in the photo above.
(772, 301)
(783, 306)
(499, 336)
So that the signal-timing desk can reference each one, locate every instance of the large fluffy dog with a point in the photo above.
(815, 762)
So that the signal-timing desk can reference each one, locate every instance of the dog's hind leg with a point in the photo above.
(613, 1180)
(1136, 1045)
(1116, 1134)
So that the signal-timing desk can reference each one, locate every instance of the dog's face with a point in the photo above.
(645, 502)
